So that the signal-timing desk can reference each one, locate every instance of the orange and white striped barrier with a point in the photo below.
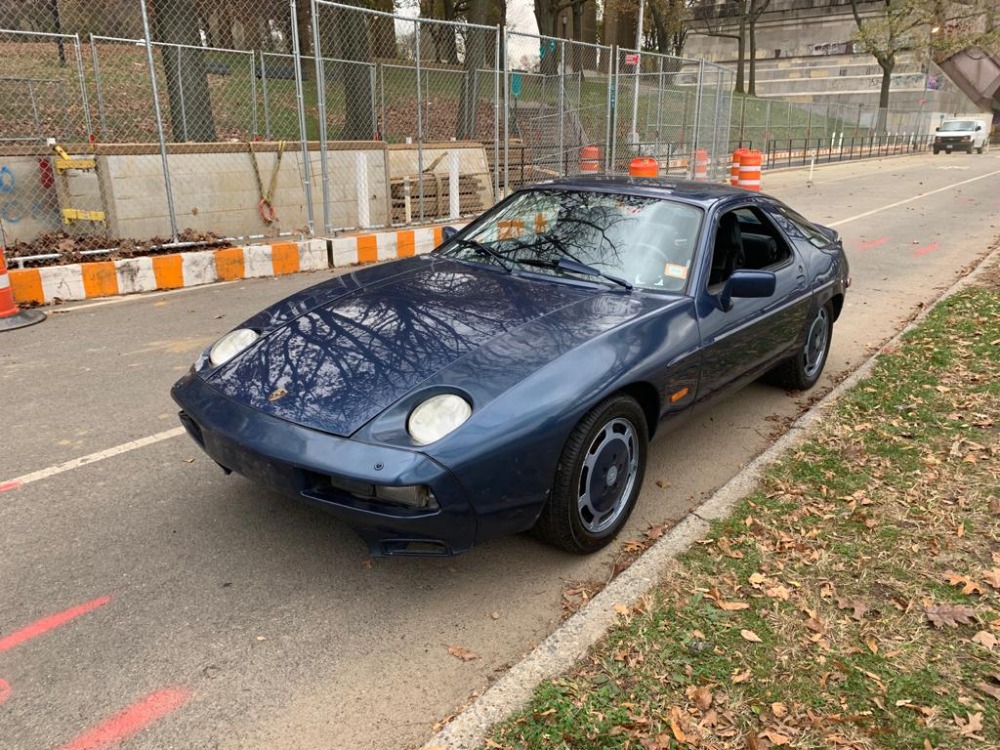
(11, 316)
(701, 165)
(590, 157)
(108, 278)
(750, 163)
(643, 166)
(734, 168)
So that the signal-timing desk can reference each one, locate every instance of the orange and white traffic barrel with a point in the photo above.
(734, 168)
(590, 158)
(750, 170)
(11, 316)
(701, 165)
(643, 166)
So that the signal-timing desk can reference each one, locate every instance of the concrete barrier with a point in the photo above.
(108, 278)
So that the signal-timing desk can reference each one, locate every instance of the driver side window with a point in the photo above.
(746, 238)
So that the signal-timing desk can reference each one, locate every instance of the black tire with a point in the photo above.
(969, 150)
(979, 150)
(598, 478)
(937, 150)
(802, 371)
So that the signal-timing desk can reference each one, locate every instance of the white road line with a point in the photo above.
(137, 297)
(76, 463)
(910, 200)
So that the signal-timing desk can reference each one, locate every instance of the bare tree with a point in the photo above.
(715, 20)
(670, 26)
(899, 26)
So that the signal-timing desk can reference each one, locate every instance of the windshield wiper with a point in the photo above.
(575, 266)
(482, 249)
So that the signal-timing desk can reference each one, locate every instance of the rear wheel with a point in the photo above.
(802, 371)
(598, 478)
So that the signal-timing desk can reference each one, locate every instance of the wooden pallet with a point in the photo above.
(405, 195)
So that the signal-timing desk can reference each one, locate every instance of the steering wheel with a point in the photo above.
(648, 250)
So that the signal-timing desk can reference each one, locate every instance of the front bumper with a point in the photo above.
(951, 144)
(302, 462)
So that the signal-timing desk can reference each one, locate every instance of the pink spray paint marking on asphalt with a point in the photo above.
(873, 243)
(44, 625)
(131, 720)
(4, 691)
(10, 486)
(926, 249)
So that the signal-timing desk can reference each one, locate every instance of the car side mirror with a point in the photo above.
(979, 127)
(937, 130)
(746, 284)
(447, 233)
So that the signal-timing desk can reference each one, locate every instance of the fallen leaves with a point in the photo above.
(716, 598)
(460, 652)
(859, 607)
(985, 639)
(969, 587)
(970, 726)
(749, 635)
(950, 615)
(992, 577)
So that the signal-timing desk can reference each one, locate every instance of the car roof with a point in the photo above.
(701, 193)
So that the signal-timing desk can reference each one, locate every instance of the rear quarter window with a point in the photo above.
(799, 228)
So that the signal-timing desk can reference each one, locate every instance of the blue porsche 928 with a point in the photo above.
(512, 379)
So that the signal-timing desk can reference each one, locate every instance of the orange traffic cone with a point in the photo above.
(10, 316)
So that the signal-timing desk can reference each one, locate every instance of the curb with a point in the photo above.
(571, 641)
(110, 278)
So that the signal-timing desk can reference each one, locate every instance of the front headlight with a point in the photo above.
(231, 344)
(436, 417)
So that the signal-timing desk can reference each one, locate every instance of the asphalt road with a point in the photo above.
(148, 599)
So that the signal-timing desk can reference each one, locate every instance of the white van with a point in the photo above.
(962, 134)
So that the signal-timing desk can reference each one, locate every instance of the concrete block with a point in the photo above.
(199, 268)
(135, 275)
(257, 261)
(63, 282)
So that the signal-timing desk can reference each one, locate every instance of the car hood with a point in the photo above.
(359, 350)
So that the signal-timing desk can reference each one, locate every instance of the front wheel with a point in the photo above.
(937, 150)
(979, 150)
(598, 477)
(801, 371)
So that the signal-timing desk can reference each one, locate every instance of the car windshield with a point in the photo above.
(641, 241)
(958, 125)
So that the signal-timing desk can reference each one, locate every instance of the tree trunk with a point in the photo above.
(350, 32)
(175, 22)
(742, 48)
(384, 31)
(475, 55)
(887, 64)
(577, 57)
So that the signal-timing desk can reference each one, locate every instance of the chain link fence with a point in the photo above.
(181, 121)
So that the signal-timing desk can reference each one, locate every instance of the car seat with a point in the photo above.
(727, 255)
